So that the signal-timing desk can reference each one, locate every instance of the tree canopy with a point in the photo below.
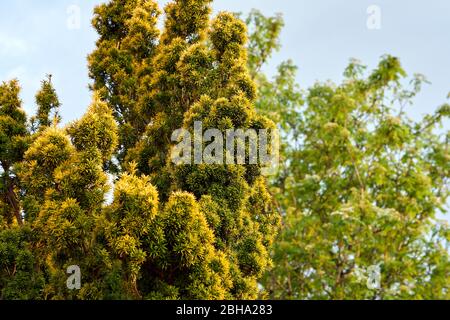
(169, 231)
(361, 185)
(352, 211)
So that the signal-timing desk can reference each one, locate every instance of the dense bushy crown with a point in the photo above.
(169, 232)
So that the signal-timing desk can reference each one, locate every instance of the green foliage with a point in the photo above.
(128, 39)
(97, 130)
(264, 39)
(47, 102)
(201, 75)
(360, 184)
(18, 279)
(13, 143)
(50, 150)
(190, 232)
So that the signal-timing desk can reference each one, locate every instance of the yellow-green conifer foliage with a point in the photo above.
(132, 217)
(215, 223)
(164, 231)
(128, 37)
(166, 93)
(13, 143)
(65, 187)
(48, 103)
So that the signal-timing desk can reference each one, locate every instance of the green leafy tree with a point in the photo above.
(360, 185)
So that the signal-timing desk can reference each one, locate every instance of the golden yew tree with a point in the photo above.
(189, 231)
(165, 231)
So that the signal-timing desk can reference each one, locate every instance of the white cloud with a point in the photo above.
(12, 46)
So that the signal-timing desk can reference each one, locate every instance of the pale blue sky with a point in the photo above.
(320, 36)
